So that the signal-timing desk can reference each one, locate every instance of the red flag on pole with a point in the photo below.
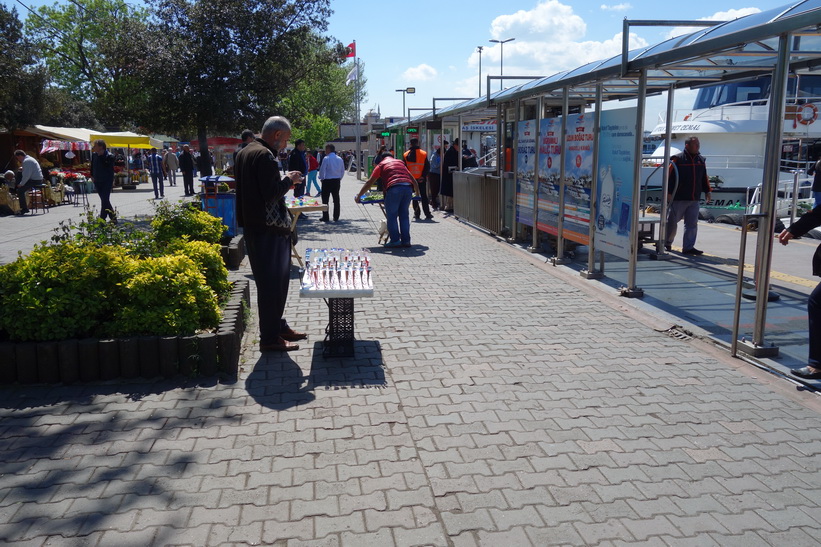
(351, 50)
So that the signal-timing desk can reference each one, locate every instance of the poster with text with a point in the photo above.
(525, 172)
(615, 186)
(550, 158)
(578, 177)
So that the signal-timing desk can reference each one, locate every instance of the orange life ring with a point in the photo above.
(807, 114)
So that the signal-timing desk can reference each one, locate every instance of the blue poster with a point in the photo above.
(525, 172)
(550, 161)
(614, 199)
(578, 177)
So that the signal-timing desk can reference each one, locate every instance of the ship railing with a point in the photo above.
(752, 109)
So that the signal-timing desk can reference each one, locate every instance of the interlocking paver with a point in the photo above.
(485, 420)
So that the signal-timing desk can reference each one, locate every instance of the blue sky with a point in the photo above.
(432, 45)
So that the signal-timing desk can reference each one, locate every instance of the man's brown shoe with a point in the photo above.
(281, 345)
(292, 336)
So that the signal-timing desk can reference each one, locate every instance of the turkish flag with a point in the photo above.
(351, 50)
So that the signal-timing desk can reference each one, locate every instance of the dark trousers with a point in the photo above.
(814, 316)
(423, 193)
(270, 258)
(21, 194)
(106, 209)
(330, 187)
(299, 190)
(434, 180)
(188, 183)
(157, 179)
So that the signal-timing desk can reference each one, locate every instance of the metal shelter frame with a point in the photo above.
(775, 42)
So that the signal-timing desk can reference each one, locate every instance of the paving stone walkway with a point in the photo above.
(493, 400)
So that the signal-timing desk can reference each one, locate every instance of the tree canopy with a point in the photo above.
(22, 92)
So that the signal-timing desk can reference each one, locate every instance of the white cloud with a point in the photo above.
(421, 73)
(548, 17)
(616, 7)
(728, 15)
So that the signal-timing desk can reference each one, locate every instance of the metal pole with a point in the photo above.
(796, 176)
(514, 156)
(631, 290)
(769, 194)
(740, 280)
(358, 125)
(559, 258)
(665, 176)
(480, 70)
(535, 244)
(591, 272)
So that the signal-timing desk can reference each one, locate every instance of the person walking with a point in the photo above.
(330, 173)
(688, 178)
(297, 161)
(187, 170)
(102, 173)
(313, 171)
(815, 170)
(32, 176)
(156, 169)
(434, 177)
(399, 187)
(450, 163)
(266, 223)
(802, 226)
(416, 160)
(171, 163)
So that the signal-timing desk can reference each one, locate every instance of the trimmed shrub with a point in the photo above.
(176, 221)
(165, 296)
(60, 291)
(207, 257)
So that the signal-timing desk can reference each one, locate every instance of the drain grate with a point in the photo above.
(678, 332)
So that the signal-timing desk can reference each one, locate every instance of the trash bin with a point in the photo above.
(226, 207)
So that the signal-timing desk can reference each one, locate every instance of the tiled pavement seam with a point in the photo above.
(490, 401)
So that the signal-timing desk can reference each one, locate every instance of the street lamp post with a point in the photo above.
(502, 58)
(480, 48)
(410, 90)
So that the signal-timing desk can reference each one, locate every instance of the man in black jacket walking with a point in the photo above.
(187, 169)
(266, 222)
(805, 224)
(688, 179)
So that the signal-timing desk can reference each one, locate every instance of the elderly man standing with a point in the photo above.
(262, 213)
(171, 163)
(32, 176)
(330, 173)
(688, 178)
(102, 172)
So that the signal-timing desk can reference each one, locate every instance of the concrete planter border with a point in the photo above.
(94, 360)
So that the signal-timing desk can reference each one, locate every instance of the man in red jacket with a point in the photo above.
(688, 179)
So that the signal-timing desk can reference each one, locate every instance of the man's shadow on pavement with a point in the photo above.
(279, 383)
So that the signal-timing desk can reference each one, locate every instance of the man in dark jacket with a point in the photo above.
(805, 224)
(688, 179)
(266, 222)
(102, 173)
(298, 161)
(187, 170)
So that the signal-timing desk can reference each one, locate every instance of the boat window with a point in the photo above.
(733, 92)
(809, 85)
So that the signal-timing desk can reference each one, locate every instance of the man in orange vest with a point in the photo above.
(417, 162)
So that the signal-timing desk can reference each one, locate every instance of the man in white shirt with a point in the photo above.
(32, 176)
(330, 173)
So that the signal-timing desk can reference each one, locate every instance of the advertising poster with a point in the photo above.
(550, 158)
(525, 172)
(615, 189)
(578, 177)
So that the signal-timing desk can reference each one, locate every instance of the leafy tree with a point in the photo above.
(226, 64)
(315, 130)
(21, 95)
(62, 109)
(96, 51)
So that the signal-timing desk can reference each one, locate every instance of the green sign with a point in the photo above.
(412, 130)
(385, 134)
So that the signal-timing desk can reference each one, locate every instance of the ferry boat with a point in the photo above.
(730, 121)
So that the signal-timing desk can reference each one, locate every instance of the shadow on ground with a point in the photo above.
(278, 383)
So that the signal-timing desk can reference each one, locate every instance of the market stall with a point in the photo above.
(297, 206)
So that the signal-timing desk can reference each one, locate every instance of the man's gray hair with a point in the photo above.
(274, 124)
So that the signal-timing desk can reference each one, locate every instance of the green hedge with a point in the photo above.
(97, 280)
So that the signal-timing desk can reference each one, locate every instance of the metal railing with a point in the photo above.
(476, 200)
(742, 253)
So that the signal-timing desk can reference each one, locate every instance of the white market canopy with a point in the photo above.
(78, 138)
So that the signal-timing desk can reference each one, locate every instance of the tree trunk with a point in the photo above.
(204, 164)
